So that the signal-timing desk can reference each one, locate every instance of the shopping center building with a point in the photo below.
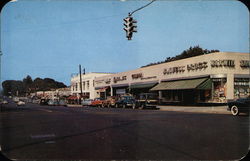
(85, 85)
(215, 77)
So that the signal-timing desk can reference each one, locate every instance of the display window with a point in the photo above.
(219, 90)
(241, 87)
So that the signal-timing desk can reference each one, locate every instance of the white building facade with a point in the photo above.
(215, 77)
(87, 86)
(54, 93)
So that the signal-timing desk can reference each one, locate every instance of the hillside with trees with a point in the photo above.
(191, 52)
(27, 86)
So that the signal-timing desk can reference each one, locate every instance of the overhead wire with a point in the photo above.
(131, 13)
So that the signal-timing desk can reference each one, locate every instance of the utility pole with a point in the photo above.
(80, 72)
(1, 72)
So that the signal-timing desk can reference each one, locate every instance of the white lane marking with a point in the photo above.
(42, 136)
(45, 110)
(49, 142)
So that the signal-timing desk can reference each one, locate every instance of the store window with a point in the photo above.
(87, 84)
(219, 89)
(241, 87)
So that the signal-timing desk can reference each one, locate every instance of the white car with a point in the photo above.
(20, 103)
(5, 102)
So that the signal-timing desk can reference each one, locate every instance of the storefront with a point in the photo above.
(210, 78)
(85, 87)
(241, 87)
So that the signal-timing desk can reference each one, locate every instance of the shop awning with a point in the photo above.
(145, 85)
(72, 98)
(103, 89)
(207, 84)
(202, 83)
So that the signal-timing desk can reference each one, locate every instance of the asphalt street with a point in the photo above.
(69, 133)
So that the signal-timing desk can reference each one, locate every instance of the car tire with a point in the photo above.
(234, 110)
(124, 106)
(133, 106)
(142, 106)
(116, 106)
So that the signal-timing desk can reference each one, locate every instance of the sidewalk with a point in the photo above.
(74, 105)
(196, 109)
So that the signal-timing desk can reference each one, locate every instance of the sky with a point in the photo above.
(50, 38)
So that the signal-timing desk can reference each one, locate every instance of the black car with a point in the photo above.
(147, 100)
(43, 102)
(126, 101)
(240, 105)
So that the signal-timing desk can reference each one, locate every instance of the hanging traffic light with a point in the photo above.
(130, 27)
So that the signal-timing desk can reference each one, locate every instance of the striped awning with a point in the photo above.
(145, 85)
(201, 83)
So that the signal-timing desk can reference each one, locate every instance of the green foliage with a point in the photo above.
(27, 85)
(191, 52)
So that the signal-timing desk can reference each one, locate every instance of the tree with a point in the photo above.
(13, 87)
(27, 85)
(191, 52)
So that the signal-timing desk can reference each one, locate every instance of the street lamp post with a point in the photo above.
(1, 72)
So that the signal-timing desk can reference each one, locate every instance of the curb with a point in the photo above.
(74, 106)
(213, 110)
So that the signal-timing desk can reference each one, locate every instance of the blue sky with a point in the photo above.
(50, 38)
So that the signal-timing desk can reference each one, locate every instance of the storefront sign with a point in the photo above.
(107, 81)
(117, 79)
(179, 69)
(196, 66)
(120, 91)
(152, 77)
(136, 76)
(222, 63)
(99, 81)
(245, 64)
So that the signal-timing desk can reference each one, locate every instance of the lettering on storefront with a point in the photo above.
(222, 63)
(196, 66)
(179, 69)
(245, 64)
(152, 77)
(117, 79)
(107, 81)
(140, 76)
(99, 81)
(137, 76)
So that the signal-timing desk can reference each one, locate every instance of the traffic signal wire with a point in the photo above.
(131, 13)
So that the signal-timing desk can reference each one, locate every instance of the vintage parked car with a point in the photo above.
(44, 102)
(126, 101)
(20, 103)
(240, 105)
(147, 100)
(53, 102)
(62, 102)
(87, 102)
(110, 101)
(5, 102)
(97, 102)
